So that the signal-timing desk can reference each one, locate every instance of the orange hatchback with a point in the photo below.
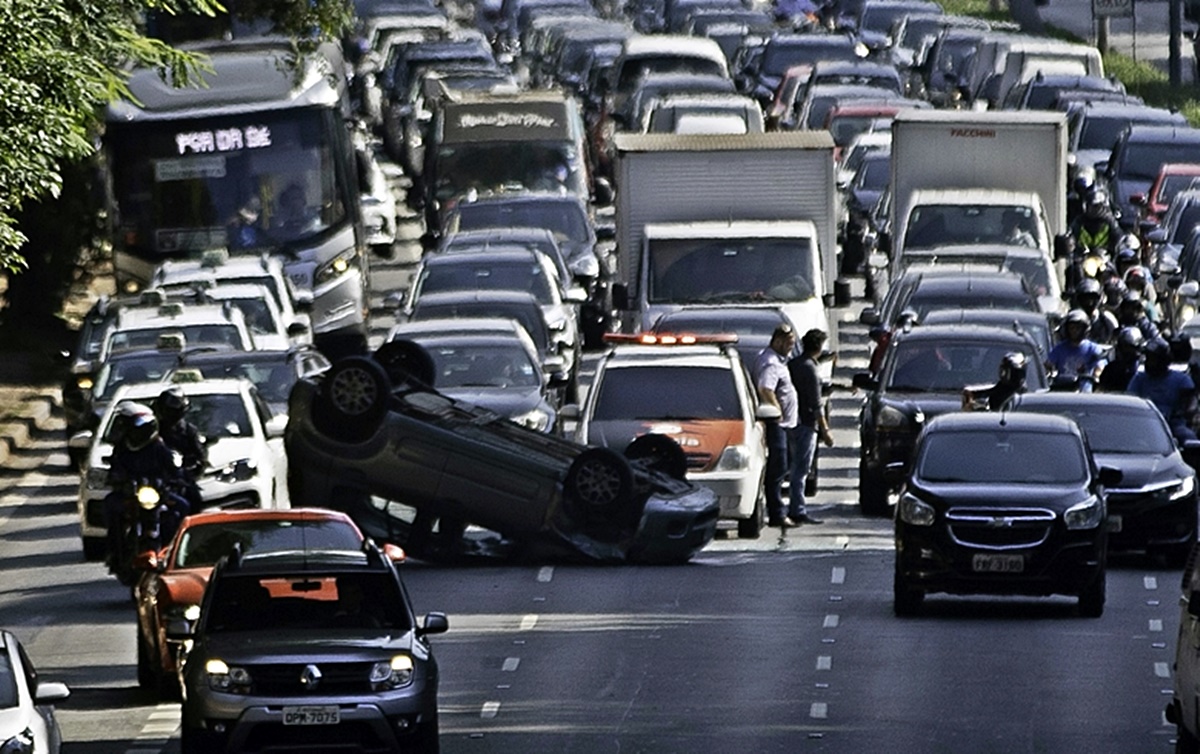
(174, 578)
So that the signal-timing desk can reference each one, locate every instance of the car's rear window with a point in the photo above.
(663, 392)
(205, 544)
(1116, 430)
(932, 366)
(306, 602)
(1002, 457)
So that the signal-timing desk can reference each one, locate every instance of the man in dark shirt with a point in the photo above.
(811, 423)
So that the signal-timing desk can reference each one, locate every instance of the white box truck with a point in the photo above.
(725, 220)
(956, 173)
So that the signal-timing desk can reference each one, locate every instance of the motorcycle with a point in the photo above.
(145, 518)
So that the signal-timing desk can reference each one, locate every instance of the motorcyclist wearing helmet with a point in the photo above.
(1132, 313)
(1011, 382)
(139, 453)
(1173, 392)
(1082, 185)
(1096, 229)
(1087, 296)
(1075, 357)
(1123, 361)
(181, 436)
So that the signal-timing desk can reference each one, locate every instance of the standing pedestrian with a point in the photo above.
(811, 423)
(775, 388)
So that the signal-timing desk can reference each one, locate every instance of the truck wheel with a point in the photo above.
(872, 492)
(354, 397)
(1091, 600)
(406, 362)
(661, 453)
(598, 484)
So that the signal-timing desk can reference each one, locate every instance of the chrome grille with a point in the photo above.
(1000, 528)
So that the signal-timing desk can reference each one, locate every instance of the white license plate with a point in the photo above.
(316, 715)
(1115, 523)
(998, 563)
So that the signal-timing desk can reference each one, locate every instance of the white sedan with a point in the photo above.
(247, 467)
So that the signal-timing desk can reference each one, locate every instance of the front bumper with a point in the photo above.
(1149, 520)
(736, 491)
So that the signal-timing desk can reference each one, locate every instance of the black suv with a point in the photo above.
(309, 651)
(923, 375)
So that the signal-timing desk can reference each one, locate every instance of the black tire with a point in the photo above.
(1186, 741)
(751, 528)
(1091, 600)
(353, 399)
(906, 600)
(872, 492)
(662, 452)
(406, 364)
(196, 741)
(94, 548)
(426, 739)
(599, 485)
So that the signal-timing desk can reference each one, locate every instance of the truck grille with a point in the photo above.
(1000, 528)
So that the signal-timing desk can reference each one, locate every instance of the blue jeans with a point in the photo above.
(777, 468)
(803, 442)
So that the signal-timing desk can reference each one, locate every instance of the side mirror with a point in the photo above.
(1138, 200)
(767, 413)
(1109, 477)
(434, 623)
(276, 425)
(868, 316)
(81, 440)
(864, 381)
(394, 553)
(576, 295)
(179, 630)
(877, 261)
(602, 191)
(1190, 289)
(49, 692)
(1158, 235)
(297, 329)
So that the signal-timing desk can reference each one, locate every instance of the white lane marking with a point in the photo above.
(1162, 670)
(818, 710)
(1151, 582)
(510, 664)
(545, 574)
(528, 622)
(490, 710)
(1156, 624)
(838, 576)
(824, 662)
(831, 621)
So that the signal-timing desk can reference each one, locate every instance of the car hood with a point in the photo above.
(226, 450)
(261, 647)
(706, 438)
(507, 402)
(1056, 497)
(1144, 472)
(928, 404)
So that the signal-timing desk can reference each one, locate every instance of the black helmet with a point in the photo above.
(1012, 368)
(1089, 286)
(1158, 356)
(138, 427)
(1130, 338)
(171, 405)
(1181, 348)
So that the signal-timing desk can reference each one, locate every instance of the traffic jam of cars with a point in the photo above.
(622, 213)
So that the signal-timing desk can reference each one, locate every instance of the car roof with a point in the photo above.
(1001, 317)
(971, 332)
(1155, 133)
(220, 516)
(1009, 420)
(511, 254)
(689, 356)
(1072, 400)
(291, 562)
(453, 326)
(212, 386)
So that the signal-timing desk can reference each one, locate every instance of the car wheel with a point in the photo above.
(1186, 741)
(598, 484)
(751, 528)
(94, 548)
(406, 363)
(1091, 600)
(354, 398)
(425, 739)
(872, 492)
(906, 600)
(196, 741)
(660, 452)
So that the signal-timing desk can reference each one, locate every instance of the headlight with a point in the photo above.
(392, 674)
(733, 458)
(891, 417)
(22, 743)
(84, 383)
(537, 419)
(914, 511)
(1093, 264)
(1085, 515)
(182, 612)
(221, 677)
(336, 267)
(1184, 489)
(147, 497)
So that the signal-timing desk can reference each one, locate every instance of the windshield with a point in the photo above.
(241, 181)
(777, 58)
(1002, 457)
(1173, 184)
(115, 373)
(731, 270)
(874, 174)
(1118, 431)
(312, 602)
(194, 335)
(215, 415)
(566, 220)
(663, 392)
(1101, 133)
(927, 367)
(273, 379)
(506, 165)
(467, 275)
(202, 546)
(933, 225)
(483, 365)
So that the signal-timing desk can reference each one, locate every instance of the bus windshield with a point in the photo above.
(242, 181)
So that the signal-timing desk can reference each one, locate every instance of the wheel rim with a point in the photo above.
(598, 483)
(353, 391)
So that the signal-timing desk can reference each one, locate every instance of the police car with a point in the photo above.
(695, 390)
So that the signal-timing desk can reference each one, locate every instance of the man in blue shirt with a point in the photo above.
(1172, 392)
(1075, 357)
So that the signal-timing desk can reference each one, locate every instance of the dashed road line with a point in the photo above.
(545, 574)
(838, 576)
(831, 621)
(1162, 670)
(818, 710)
(528, 622)
(1151, 582)
(510, 664)
(824, 662)
(489, 710)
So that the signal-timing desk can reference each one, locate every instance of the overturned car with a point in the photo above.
(374, 429)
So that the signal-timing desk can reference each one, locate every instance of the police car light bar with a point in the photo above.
(671, 339)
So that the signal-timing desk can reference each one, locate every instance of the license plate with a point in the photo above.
(316, 715)
(301, 280)
(998, 563)
(1115, 523)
